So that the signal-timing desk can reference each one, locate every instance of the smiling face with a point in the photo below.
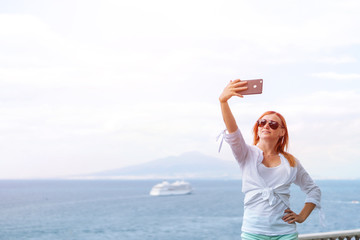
(279, 137)
(266, 132)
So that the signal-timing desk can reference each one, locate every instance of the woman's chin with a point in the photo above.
(267, 137)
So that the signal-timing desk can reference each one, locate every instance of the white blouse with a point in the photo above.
(265, 201)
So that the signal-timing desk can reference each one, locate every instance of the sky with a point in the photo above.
(87, 86)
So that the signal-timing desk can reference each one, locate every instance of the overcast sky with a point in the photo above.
(87, 86)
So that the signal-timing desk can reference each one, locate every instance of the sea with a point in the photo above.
(124, 210)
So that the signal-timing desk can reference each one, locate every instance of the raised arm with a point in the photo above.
(232, 89)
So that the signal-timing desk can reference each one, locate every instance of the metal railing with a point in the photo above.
(340, 235)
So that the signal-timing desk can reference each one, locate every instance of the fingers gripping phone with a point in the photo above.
(254, 86)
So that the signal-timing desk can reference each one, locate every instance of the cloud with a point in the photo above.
(337, 76)
(337, 60)
(20, 25)
(126, 82)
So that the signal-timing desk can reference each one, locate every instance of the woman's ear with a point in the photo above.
(282, 133)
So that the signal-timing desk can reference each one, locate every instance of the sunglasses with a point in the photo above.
(272, 124)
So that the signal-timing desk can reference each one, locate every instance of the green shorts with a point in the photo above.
(251, 236)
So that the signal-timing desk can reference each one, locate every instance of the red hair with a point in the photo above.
(282, 143)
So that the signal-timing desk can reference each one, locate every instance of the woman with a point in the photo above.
(267, 173)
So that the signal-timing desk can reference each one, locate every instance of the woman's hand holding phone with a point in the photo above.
(233, 89)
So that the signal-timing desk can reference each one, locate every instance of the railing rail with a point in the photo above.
(339, 235)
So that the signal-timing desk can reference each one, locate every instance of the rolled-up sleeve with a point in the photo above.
(308, 186)
(238, 146)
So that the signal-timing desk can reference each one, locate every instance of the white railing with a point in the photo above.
(340, 235)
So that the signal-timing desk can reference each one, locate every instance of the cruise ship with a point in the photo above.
(165, 188)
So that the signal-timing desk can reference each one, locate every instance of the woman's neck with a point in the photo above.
(267, 147)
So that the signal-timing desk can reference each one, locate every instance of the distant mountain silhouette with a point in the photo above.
(188, 165)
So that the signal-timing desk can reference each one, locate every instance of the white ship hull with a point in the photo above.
(169, 192)
(166, 189)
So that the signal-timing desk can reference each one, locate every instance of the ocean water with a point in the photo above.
(117, 209)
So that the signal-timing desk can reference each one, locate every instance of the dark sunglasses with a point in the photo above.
(272, 124)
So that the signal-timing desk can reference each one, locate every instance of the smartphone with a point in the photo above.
(254, 86)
